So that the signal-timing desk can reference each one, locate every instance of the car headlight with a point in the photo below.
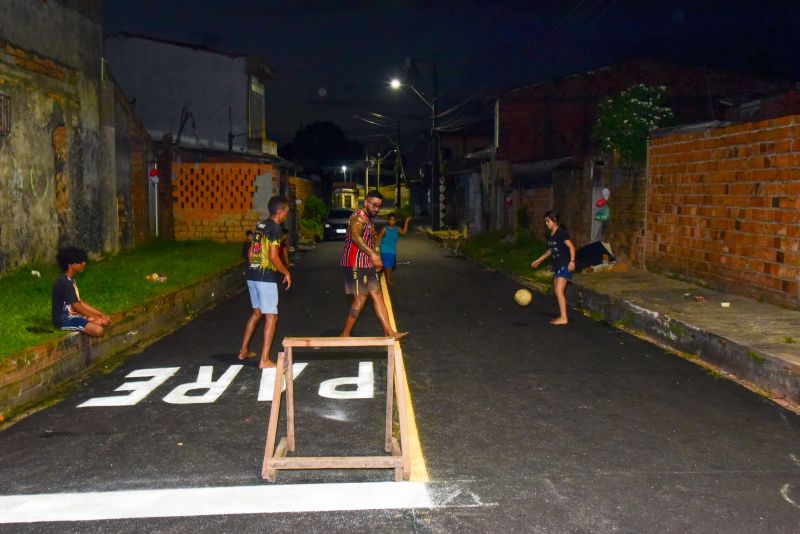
(327, 225)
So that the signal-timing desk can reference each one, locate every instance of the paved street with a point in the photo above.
(524, 427)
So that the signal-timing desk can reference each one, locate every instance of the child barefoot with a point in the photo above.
(69, 311)
(562, 251)
(387, 241)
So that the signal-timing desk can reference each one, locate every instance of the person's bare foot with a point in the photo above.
(246, 355)
(399, 335)
(266, 365)
(559, 322)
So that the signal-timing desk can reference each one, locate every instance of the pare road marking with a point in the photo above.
(206, 389)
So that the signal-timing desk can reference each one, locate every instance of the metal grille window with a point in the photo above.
(5, 115)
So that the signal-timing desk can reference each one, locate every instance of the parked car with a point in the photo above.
(335, 226)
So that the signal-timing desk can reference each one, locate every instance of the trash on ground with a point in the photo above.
(725, 304)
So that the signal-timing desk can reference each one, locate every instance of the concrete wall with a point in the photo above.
(53, 183)
(724, 207)
(162, 78)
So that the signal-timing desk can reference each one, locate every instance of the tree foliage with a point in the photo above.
(322, 144)
(626, 121)
(314, 209)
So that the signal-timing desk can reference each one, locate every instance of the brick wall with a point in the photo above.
(625, 228)
(572, 198)
(724, 206)
(303, 188)
(220, 201)
(537, 201)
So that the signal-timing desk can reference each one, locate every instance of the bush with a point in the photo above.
(315, 209)
(311, 230)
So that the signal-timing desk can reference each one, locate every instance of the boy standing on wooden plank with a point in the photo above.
(361, 265)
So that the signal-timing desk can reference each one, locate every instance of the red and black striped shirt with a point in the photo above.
(353, 256)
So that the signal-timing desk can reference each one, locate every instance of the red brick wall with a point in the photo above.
(572, 199)
(625, 228)
(724, 206)
(215, 200)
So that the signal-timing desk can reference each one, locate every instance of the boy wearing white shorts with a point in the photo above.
(265, 269)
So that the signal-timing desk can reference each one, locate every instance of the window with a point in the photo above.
(256, 127)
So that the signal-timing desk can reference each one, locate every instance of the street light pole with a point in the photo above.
(437, 185)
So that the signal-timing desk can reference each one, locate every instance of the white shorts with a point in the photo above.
(264, 296)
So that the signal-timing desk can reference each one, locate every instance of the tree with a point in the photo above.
(320, 145)
(626, 121)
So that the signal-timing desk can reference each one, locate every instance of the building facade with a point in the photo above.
(203, 98)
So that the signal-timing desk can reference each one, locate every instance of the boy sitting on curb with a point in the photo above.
(69, 311)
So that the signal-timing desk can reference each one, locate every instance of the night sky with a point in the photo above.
(333, 59)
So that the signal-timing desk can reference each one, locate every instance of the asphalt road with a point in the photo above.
(525, 427)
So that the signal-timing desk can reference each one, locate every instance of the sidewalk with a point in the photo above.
(758, 344)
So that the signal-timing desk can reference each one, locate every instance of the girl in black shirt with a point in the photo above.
(562, 251)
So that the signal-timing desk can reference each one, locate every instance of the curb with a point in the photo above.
(31, 375)
(757, 370)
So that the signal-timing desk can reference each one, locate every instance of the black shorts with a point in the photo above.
(358, 280)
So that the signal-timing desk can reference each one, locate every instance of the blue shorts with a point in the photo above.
(264, 296)
(563, 272)
(389, 260)
(74, 323)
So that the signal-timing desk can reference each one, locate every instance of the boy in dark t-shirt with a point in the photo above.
(562, 252)
(264, 272)
(69, 312)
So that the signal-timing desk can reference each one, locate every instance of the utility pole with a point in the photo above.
(366, 172)
(398, 167)
(437, 181)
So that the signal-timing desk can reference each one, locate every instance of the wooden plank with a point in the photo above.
(337, 462)
(280, 450)
(398, 471)
(274, 415)
(289, 400)
(389, 398)
(338, 342)
(402, 413)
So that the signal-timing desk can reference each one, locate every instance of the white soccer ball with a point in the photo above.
(523, 297)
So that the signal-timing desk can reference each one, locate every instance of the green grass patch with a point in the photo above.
(113, 285)
(756, 357)
(511, 254)
(789, 340)
(715, 374)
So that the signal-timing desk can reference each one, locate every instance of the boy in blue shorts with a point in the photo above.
(264, 271)
(562, 252)
(69, 312)
(387, 241)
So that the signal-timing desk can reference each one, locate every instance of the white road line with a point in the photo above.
(182, 502)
